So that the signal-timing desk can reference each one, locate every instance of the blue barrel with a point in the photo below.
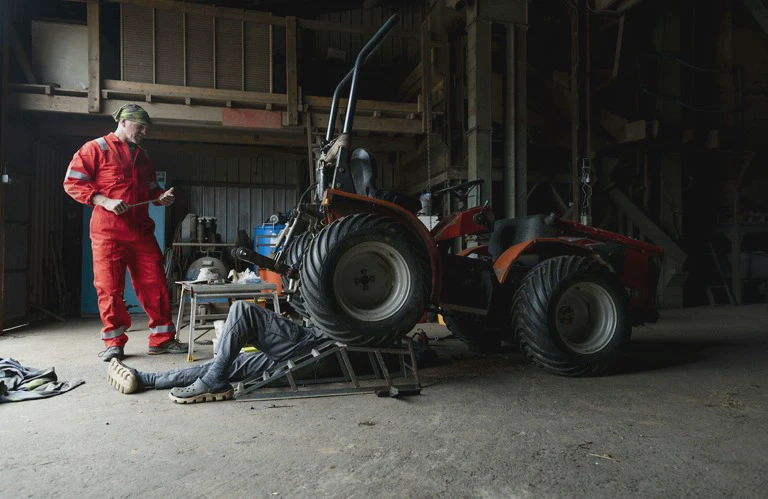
(265, 237)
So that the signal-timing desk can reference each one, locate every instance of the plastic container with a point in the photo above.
(265, 237)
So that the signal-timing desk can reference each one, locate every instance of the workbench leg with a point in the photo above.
(180, 315)
(192, 320)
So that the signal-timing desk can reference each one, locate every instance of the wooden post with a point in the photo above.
(291, 74)
(94, 57)
(310, 158)
(426, 75)
(21, 57)
(575, 177)
(479, 106)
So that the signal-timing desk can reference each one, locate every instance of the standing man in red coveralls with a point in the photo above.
(113, 174)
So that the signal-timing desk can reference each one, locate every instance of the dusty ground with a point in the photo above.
(685, 417)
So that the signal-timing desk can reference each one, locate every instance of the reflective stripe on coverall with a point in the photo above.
(104, 166)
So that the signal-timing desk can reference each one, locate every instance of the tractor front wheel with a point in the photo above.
(365, 280)
(571, 317)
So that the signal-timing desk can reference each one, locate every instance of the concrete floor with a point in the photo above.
(685, 417)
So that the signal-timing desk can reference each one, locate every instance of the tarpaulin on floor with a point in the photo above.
(19, 383)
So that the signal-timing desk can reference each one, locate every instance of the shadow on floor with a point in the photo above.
(651, 355)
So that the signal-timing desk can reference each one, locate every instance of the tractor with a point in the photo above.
(360, 265)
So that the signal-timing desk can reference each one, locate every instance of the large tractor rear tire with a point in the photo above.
(365, 280)
(294, 254)
(571, 317)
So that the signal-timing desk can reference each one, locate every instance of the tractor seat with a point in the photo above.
(512, 231)
(364, 174)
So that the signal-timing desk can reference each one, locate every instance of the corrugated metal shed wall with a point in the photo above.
(161, 46)
(395, 50)
(241, 192)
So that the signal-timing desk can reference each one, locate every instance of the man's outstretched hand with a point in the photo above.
(167, 198)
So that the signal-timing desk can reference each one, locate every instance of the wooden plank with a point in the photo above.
(251, 118)
(412, 79)
(30, 88)
(621, 5)
(68, 104)
(647, 226)
(362, 105)
(604, 4)
(366, 123)
(21, 57)
(348, 28)
(291, 71)
(619, 42)
(130, 87)
(94, 57)
(195, 8)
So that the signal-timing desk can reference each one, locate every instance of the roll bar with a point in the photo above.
(367, 51)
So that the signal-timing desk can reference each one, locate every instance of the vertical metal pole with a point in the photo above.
(184, 44)
(5, 25)
(214, 52)
(521, 118)
(510, 128)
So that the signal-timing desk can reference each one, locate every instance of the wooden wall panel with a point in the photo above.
(169, 33)
(137, 41)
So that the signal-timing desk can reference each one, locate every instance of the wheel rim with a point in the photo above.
(586, 317)
(371, 281)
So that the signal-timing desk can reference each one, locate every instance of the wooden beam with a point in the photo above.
(211, 94)
(621, 5)
(94, 57)
(604, 4)
(205, 10)
(362, 105)
(158, 111)
(366, 123)
(348, 28)
(21, 56)
(291, 71)
(426, 76)
(310, 159)
(652, 231)
(619, 42)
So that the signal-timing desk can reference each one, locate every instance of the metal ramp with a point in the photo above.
(283, 375)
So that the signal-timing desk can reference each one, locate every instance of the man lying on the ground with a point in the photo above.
(278, 339)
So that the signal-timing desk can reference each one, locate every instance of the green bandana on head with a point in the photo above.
(132, 112)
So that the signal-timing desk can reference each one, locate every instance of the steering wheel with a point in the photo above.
(460, 191)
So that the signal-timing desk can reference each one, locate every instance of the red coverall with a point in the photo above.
(104, 166)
